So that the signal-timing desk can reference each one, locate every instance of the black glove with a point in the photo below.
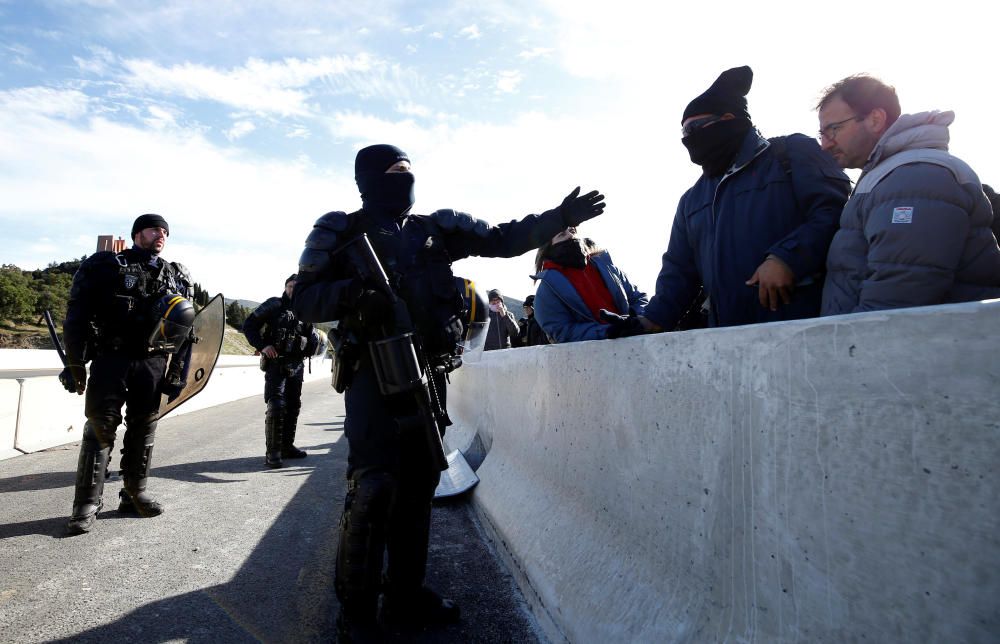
(374, 308)
(171, 389)
(74, 378)
(621, 326)
(576, 209)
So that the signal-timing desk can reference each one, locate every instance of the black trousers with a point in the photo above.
(390, 470)
(115, 381)
(283, 386)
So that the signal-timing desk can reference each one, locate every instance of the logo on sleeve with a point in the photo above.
(902, 215)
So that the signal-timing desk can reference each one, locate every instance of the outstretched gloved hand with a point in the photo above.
(621, 326)
(74, 378)
(576, 209)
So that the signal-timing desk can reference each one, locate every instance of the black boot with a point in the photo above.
(418, 610)
(288, 448)
(136, 461)
(87, 501)
(272, 437)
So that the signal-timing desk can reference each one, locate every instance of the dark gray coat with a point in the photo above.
(916, 230)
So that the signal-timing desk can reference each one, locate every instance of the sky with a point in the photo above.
(239, 121)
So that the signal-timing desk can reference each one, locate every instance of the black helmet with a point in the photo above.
(476, 316)
(174, 316)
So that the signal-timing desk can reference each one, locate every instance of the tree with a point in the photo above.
(53, 294)
(236, 315)
(17, 297)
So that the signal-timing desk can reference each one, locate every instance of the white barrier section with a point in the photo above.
(41, 414)
(10, 393)
(820, 480)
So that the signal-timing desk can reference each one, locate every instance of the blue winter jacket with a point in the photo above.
(564, 316)
(726, 226)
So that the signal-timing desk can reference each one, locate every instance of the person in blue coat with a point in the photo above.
(576, 281)
(754, 229)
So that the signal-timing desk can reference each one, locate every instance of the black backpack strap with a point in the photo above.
(781, 153)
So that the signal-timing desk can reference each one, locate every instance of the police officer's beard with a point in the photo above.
(714, 147)
(571, 253)
(391, 194)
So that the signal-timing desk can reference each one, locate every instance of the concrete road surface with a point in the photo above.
(241, 554)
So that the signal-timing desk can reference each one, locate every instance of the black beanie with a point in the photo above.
(529, 301)
(493, 293)
(142, 222)
(374, 161)
(727, 94)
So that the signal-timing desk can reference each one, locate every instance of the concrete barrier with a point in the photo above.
(819, 480)
(37, 413)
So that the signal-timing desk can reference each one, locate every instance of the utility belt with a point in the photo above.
(348, 356)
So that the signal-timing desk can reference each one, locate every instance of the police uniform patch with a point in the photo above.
(131, 281)
(902, 215)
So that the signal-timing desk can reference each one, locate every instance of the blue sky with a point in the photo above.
(239, 121)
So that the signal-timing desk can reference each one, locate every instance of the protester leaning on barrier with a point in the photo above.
(754, 229)
(129, 314)
(503, 328)
(581, 294)
(284, 342)
(529, 332)
(916, 230)
(393, 468)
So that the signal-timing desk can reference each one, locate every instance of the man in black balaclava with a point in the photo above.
(754, 229)
(391, 474)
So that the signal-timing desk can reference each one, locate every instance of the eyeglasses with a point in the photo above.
(829, 132)
(697, 124)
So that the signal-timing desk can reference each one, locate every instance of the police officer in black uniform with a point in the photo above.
(128, 314)
(283, 341)
(390, 479)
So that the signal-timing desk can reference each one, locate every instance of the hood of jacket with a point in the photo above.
(924, 130)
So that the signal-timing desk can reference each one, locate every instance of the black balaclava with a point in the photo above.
(715, 146)
(571, 253)
(383, 193)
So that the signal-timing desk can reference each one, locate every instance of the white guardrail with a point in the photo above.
(826, 480)
(37, 413)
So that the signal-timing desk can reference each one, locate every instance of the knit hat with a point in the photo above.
(727, 94)
(529, 301)
(142, 222)
(493, 294)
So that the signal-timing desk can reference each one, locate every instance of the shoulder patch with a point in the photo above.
(453, 220)
(902, 215)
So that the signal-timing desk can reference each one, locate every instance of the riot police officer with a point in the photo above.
(283, 341)
(128, 314)
(391, 482)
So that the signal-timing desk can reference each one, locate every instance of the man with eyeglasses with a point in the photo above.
(916, 230)
(754, 229)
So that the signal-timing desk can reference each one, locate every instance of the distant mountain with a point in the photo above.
(247, 304)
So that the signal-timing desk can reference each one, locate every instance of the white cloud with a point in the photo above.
(44, 101)
(437, 35)
(508, 81)
(160, 117)
(298, 132)
(536, 52)
(412, 109)
(98, 63)
(240, 129)
(471, 32)
(263, 87)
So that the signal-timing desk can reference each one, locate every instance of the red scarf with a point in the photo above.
(589, 285)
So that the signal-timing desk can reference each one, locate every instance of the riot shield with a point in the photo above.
(209, 328)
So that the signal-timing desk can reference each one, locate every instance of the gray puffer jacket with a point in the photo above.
(916, 230)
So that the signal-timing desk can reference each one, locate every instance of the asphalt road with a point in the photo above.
(241, 554)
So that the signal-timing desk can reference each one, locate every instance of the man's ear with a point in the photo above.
(877, 120)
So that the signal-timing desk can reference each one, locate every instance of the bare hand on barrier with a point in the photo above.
(775, 282)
